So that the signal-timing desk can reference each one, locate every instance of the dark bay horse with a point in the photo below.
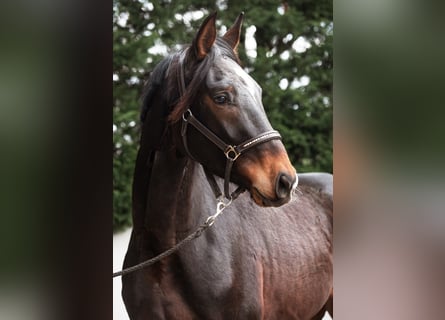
(267, 256)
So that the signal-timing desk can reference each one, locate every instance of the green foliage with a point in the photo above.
(300, 110)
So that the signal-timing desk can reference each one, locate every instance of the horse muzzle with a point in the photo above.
(271, 179)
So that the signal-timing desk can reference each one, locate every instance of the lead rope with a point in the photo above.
(220, 206)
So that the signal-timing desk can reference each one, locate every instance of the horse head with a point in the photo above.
(207, 80)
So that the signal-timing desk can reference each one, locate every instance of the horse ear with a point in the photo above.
(205, 37)
(232, 36)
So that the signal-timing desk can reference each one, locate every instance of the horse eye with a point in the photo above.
(220, 99)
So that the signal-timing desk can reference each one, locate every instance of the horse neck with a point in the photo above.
(169, 200)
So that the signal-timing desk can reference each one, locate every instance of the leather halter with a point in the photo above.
(232, 152)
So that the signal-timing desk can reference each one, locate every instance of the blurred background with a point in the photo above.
(389, 204)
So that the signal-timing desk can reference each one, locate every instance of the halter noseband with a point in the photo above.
(232, 152)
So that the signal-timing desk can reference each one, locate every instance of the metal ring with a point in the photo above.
(231, 153)
(186, 115)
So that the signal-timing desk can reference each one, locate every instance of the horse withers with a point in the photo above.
(269, 256)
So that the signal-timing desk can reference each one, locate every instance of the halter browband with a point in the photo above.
(232, 152)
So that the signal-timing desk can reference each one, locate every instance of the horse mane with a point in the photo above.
(163, 105)
(153, 84)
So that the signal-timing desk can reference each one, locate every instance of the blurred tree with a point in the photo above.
(288, 50)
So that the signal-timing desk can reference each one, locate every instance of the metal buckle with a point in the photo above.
(231, 153)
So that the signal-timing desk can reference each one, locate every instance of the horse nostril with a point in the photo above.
(283, 186)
